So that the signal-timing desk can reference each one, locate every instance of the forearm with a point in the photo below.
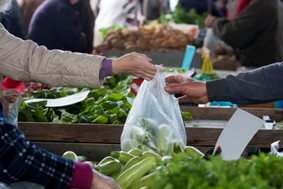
(25, 61)
(258, 86)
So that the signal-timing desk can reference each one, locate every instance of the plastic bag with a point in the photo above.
(154, 121)
(14, 111)
(213, 43)
(274, 147)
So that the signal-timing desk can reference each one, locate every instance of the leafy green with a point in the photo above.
(179, 15)
(259, 172)
(106, 105)
(103, 31)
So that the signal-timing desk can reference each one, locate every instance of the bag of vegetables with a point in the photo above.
(154, 121)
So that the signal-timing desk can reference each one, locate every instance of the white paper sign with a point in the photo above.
(64, 101)
(237, 134)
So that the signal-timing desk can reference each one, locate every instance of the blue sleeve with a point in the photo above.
(257, 86)
(21, 160)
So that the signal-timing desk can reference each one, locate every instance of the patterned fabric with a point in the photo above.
(21, 160)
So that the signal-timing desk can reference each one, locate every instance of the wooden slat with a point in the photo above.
(93, 152)
(110, 134)
(208, 137)
(226, 113)
(72, 132)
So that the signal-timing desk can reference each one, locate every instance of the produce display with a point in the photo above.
(136, 168)
(188, 168)
(179, 15)
(106, 105)
(145, 38)
(109, 104)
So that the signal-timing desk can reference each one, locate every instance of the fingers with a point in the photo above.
(10, 95)
(176, 79)
(175, 88)
(183, 99)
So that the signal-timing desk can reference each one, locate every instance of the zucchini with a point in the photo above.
(136, 172)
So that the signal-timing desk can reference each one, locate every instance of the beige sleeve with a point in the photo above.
(26, 61)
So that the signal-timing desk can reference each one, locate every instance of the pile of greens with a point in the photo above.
(259, 172)
(106, 105)
(179, 15)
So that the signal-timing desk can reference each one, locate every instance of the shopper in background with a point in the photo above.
(202, 6)
(21, 160)
(241, 5)
(256, 34)
(122, 13)
(260, 85)
(64, 25)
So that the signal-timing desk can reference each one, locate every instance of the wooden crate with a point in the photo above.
(97, 141)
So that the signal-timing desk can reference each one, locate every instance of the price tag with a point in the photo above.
(189, 54)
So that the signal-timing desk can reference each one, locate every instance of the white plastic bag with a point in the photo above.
(154, 121)
(274, 147)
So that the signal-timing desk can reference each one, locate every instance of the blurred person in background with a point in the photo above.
(241, 4)
(27, 8)
(64, 25)
(13, 22)
(122, 13)
(214, 7)
(256, 34)
(24, 60)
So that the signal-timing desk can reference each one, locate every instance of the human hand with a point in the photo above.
(135, 64)
(209, 20)
(6, 97)
(190, 89)
(101, 181)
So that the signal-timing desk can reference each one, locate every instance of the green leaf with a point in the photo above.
(187, 115)
(101, 119)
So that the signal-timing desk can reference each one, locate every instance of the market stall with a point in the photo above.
(97, 140)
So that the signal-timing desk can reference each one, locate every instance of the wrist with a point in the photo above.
(115, 67)
(82, 176)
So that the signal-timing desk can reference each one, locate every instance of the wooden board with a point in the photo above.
(110, 134)
(93, 151)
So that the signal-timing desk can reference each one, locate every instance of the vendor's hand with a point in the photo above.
(135, 64)
(190, 89)
(8, 96)
(101, 181)
(209, 20)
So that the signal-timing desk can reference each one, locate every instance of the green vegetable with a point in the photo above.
(70, 155)
(193, 152)
(258, 172)
(122, 156)
(108, 168)
(187, 116)
(136, 172)
(163, 137)
(135, 152)
(129, 164)
(149, 125)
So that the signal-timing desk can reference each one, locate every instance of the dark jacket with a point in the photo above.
(57, 24)
(256, 35)
(257, 86)
(201, 6)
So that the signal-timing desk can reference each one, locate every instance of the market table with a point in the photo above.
(96, 141)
